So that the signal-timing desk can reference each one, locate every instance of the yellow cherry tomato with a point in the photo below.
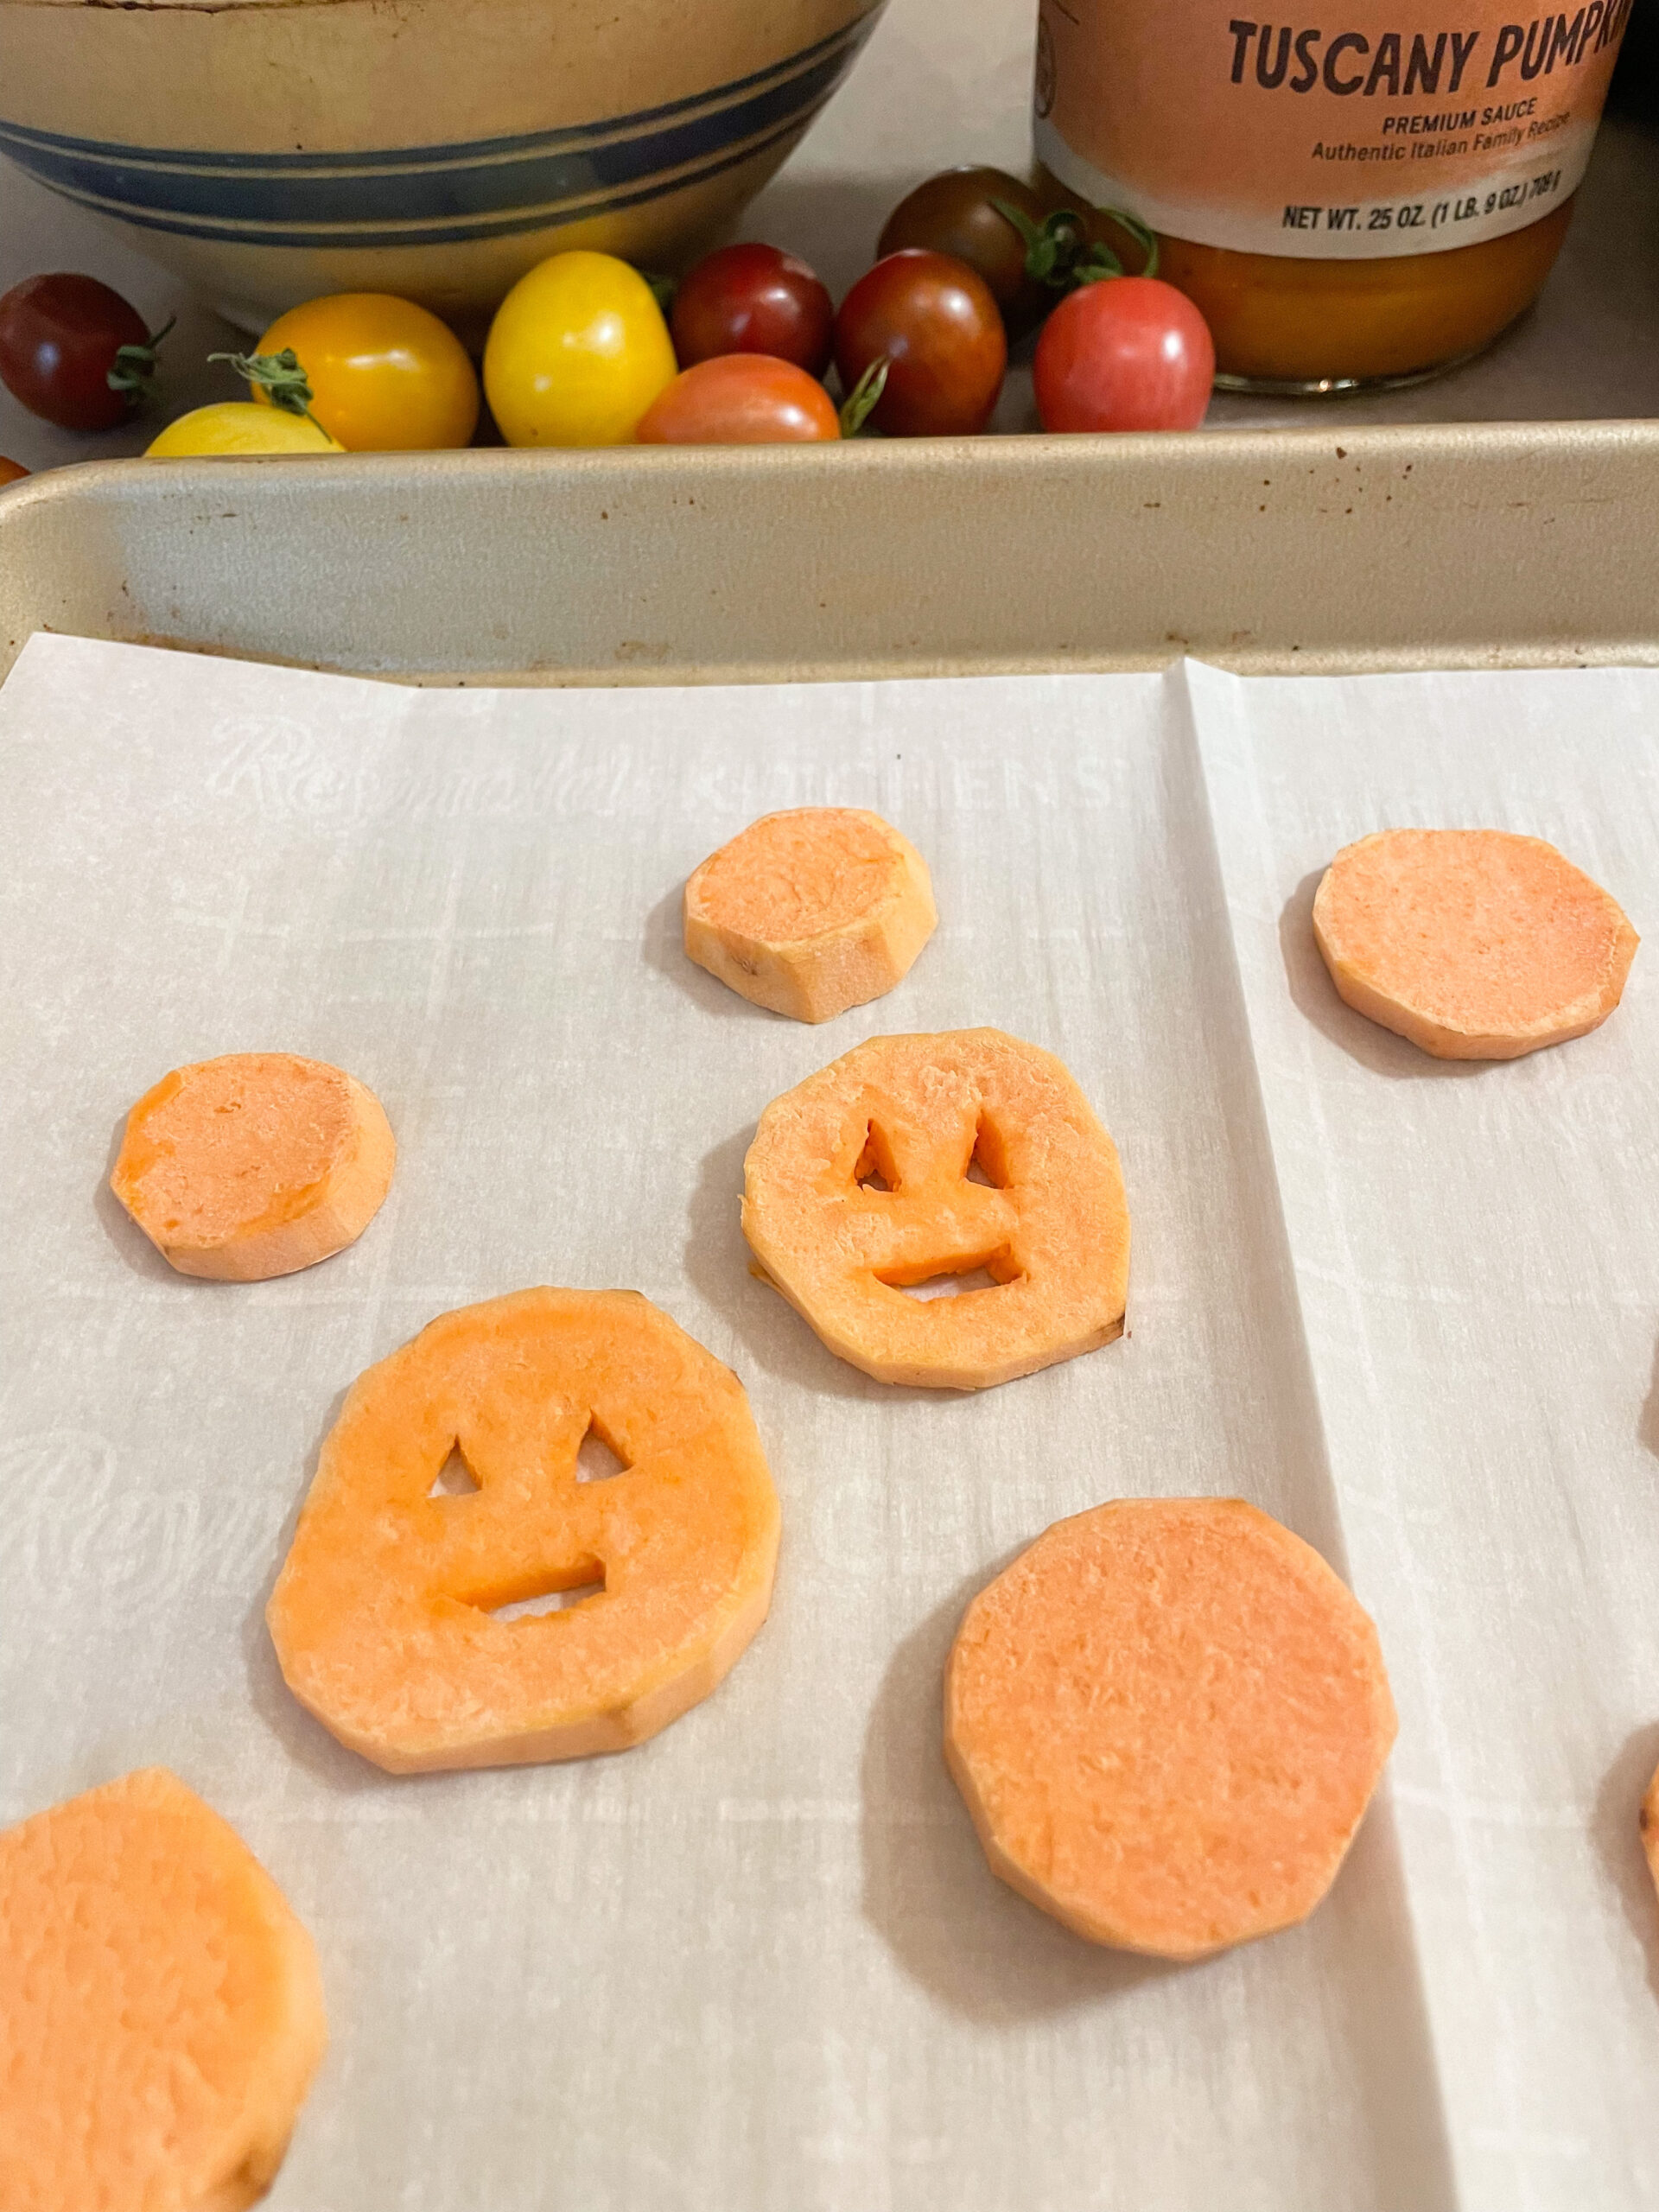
(238, 426)
(385, 376)
(577, 352)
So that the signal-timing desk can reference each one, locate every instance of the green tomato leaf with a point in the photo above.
(861, 401)
(133, 370)
(281, 375)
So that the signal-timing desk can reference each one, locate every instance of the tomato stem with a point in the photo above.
(133, 371)
(861, 401)
(1060, 253)
(280, 376)
(663, 288)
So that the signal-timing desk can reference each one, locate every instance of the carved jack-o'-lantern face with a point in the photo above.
(448, 1497)
(914, 1158)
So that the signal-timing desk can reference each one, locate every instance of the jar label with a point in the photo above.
(1355, 135)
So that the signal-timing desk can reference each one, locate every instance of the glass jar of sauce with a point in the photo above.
(1354, 198)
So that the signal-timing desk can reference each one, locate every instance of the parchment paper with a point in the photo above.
(1476, 1259)
(758, 1965)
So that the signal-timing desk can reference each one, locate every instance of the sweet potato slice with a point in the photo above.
(1647, 1822)
(161, 2011)
(385, 1614)
(1167, 1717)
(1474, 944)
(254, 1165)
(811, 911)
(912, 1158)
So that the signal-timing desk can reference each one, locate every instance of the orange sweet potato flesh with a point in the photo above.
(382, 1615)
(1167, 1717)
(1647, 1822)
(917, 1114)
(1474, 944)
(254, 1165)
(161, 2011)
(811, 911)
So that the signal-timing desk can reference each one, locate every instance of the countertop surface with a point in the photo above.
(917, 102)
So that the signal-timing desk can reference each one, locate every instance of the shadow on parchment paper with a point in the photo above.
(1647, 1429)
(716, 1261)
(133, 1247)
(307, 1742)
(991, 1957)
(665, 952)
(928, 1889)
(1619, 1840)
(1314, 994)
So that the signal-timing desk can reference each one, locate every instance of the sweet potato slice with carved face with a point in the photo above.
(811, 911)
(397, 1616)
(254, 1165)
(1474, 944)
(1167, 1717)
(161, 2011)
(912, 1159)
(1647, 1822)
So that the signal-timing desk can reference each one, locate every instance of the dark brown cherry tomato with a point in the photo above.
(62, 340)
(934, 320)
(10, 470)
(1127, 353)
(740, 399)
(955, 213)
(752, 299)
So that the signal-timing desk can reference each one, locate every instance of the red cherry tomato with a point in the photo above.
(935, 320)
(752, 299)
(739, 399)
(957, 212)
(10, 470)
(1127, 353)
(59, 336)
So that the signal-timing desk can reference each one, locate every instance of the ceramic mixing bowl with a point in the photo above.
(270, 151)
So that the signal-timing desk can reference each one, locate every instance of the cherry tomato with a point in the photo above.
(1127, 353)
(385, 376)
(577, 352)
(740, 399)
(10, 470)
(238, 426)
(935, 320)
(62, 338)
(752, 299)
(955, 213)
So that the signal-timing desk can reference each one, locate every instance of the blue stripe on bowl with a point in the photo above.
(344, 235)
(442, 195)
(467, 151)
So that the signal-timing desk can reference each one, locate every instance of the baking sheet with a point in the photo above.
(760, 1961)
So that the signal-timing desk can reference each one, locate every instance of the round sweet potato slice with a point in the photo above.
(253, 1165)
(811, 911)
(1167, 1717)
(388, 1615)
(160, 2009)
(917, 1157)
(1647, 1822)
(1474, 944)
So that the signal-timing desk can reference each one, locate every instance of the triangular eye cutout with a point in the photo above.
(875, 1170)
(454, 1478)
(598, 1460)
(988, 1161)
